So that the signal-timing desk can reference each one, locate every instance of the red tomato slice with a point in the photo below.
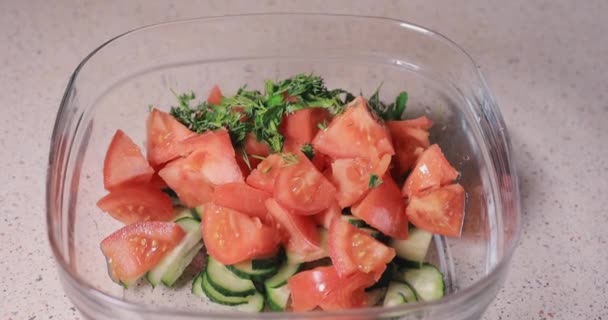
(384, 209)
(322, 286)
(254, 149)
(299, 232)
(215, 95)
(232, 237)
(325, 218)
(354, 134)
(432, 170)
(351, 177)
(319, 160)
(409, 141)
(216, 142)
(124, 164)
(309, 288)
(351, 250)
(157, 182)
(264, 176)
(135, 249)
(194, 177)
(243, 198)
(163, 133)
(438, 211)
(135, 204)
(301, 187)
(301, 126)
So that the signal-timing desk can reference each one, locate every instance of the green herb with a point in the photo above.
(392, 111)
(322, 125)
(255, 156)
(289, 159)
(374, 181)
(308, 151)
(268, 169)
(246, 158)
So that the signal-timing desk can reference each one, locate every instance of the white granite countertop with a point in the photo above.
(546, 62)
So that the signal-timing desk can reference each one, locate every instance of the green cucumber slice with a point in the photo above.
(278, 297)
(226, 282)
(427, 282)
(398, 293)
(283, 274)
(413, 250)
(216, 296)
(246, 270)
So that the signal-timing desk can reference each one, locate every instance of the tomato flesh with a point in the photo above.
(232, 237)
(135, 249)
(354, 250)
(124, 163)
(216, 142)
(354, 134)
(410, 138)
(265, 174)
(351, 177)
(299, 232)
(215, 95)
(301, 126)
(384, 209)
(325, 217)
(139, 203)
(163, 134)
(243, 198)
(301, 187)
(432, 171)
(439, 211)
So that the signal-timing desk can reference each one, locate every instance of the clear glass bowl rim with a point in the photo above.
(454, 299)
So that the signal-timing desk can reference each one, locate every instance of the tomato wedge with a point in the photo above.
(135, 249)
(301, 187)
(432, 171)
(299, 232)
(232, 237)
(138, 203)
(264, 176)
(351, 250)
(410, 138)
(439, 211)
(243, 198)
(215, 95)
(354, 134)
(216, 142)
(301, 126)
(254, 150)
(384, 209)
(124, 163)
(163, 133)
(322, 286)
(351, 177)
(325, 217)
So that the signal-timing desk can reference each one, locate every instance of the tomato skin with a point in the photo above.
(322, 286)
(354, 134)
(299, 232)
(243, 198)
(432, 171)
(301, 126)
(263, 177)
(439, 211)
(384, 209)
(232, 237)
(352, 250)
(301, 187)
(351, 177)
(139, 203)
(163, 134)
(410, 139)
(325, 217)
(216, 142)
(215, 95)
(135, 249)
(124, 164)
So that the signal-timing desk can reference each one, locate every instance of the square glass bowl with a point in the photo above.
(113, 87)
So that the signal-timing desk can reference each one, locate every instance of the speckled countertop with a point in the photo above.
(546, 62)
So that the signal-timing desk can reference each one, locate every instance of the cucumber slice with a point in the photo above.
(373, 232)
(359, 223)
(226, 282)
(248, 270)
(181, 212)
(198, 212)
(398, 293)
(427, 282)
(283, 274)
(197, 285)
(255, 303)
(171, 267)
(413, 249)
(374, 297)
(177, 269)
(278, 297)
(216, 296)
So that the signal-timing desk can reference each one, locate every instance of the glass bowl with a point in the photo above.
(113, 87)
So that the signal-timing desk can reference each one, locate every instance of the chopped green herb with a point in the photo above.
(322, 125)
(392, 111)
(308, 151)
(374, 181)
(289, 159)
(255, 156)
(267, 169)
(246, 158)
